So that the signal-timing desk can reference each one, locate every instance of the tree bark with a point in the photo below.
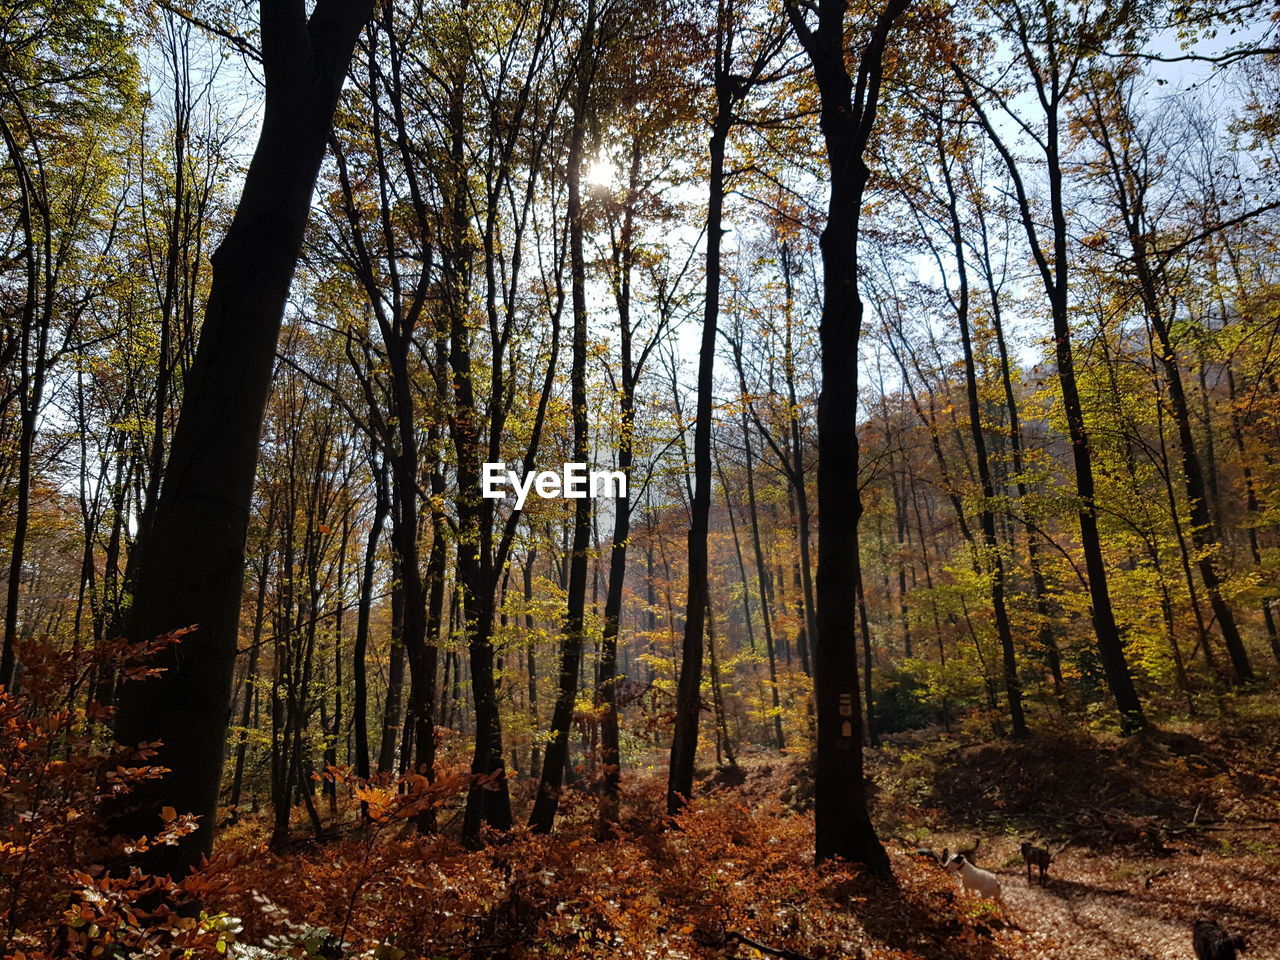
(848, 113)
(547, 800)
(684, 743)
(192, 566)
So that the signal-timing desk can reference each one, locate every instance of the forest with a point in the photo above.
(923, 357)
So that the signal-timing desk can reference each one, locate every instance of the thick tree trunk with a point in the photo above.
(843, 826)
(192, 564)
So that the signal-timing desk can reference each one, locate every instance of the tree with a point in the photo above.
(69, 78)
(1129, 162)
(192, 566)
(1051, 45)
(730, 89)
(591, 41)
(849, 106)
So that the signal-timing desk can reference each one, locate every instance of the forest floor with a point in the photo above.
(1151, 833)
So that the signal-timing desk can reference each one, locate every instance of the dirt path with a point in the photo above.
(1098, 907)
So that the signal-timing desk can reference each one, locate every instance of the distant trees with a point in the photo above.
(1129, 164)
(1052, 46)
(69, 94)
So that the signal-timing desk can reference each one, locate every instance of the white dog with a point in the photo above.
(981, 882)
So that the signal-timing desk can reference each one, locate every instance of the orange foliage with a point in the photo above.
(729, 875)
(57, 768)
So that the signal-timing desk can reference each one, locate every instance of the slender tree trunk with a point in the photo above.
(1251, 506)
(872, 731)
(359, 667)
(393, 706)
(1039, 589)
(798, 473)
(684, 744)
(994, 560)
(547, 800)
(531, 625)
(737, 551)
(717, 694)
(762, 570)
(33, 341)
(1202, 525)
(611, 756)
(250, 678)
(1053, 267)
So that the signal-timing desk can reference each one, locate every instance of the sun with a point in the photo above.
(602, 172)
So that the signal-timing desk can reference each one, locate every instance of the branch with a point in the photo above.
(237, 40)
(731, 937)
(1166, 255)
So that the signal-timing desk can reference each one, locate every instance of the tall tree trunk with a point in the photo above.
(902, 536)
(1039, 589)
(797, 472)
(33, 354)
(1053, 265)
(547, 801)
(1202, 526)
(425, 706)
(727, 757)
(393, 705)
(848, 112)
(250, 677)
(994, 560)
(359, 666)
(762, 570)
(737, 551)
(684, 743)
(872, 731)
(607, 684)
(192, 566)
(1129, 188)
(530, 624)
